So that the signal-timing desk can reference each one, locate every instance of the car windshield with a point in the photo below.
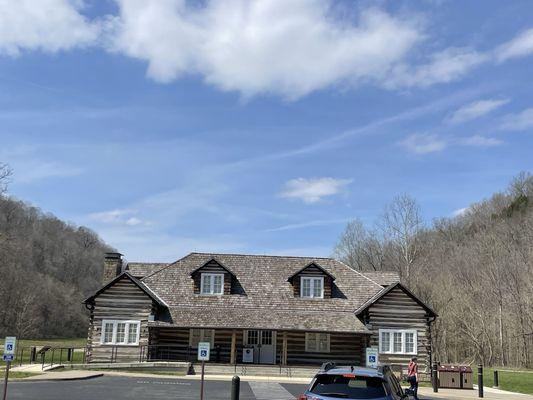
(349, 386)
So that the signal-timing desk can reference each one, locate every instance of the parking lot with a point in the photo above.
(129, 388)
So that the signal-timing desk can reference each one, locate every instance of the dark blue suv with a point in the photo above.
(354, 383)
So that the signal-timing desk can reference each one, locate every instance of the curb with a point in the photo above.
(67, 378)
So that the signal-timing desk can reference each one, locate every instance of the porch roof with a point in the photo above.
(263, 318)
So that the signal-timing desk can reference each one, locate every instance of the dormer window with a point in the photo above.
(312, 287)
(212, 284)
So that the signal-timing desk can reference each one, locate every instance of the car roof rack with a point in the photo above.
(327, 366)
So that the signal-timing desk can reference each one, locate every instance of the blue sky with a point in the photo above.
(260, 126)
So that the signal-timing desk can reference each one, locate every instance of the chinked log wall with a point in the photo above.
(122, 301)
(344, 348)
(396, 310)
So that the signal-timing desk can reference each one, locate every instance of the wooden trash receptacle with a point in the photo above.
(455, 377)
(467, 380)
(449, 377)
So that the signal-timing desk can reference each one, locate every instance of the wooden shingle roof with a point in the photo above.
(267, 298)
(140, 270)
(384, 278)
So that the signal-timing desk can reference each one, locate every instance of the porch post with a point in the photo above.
(233, 347)
(285, 348)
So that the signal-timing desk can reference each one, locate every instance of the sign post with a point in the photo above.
(9, 353)
(203, 356)
(372, 357)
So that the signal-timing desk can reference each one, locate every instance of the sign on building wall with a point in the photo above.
(203, 351)
(372, 357)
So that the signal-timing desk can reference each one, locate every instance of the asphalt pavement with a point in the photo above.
(134, 388)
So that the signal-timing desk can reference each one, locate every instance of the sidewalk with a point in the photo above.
(458, 394)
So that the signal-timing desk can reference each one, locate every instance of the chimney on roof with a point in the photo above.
(112, 266)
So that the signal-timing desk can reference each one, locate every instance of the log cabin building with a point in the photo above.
(288, 310)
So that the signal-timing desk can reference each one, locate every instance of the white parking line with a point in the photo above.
(270, 391)
(164, 383)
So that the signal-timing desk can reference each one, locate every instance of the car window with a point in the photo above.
(348, 386)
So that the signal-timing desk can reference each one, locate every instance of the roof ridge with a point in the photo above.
(357, 272)
(261, 255)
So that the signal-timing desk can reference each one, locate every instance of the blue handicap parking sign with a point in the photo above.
(10, 347)
(372, 359)
(203, 353)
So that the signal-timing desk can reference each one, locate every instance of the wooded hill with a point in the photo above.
(47, 267)
(475, 270)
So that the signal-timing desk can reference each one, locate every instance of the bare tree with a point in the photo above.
(401, 224)
(5, 177)
(359, 247)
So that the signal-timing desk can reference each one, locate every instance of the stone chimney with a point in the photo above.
(112, 266)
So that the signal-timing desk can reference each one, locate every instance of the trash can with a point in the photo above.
(455, 377)
(467, 381)
(248, 355)
(449, 377)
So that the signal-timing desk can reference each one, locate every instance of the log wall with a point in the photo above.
(122, 301)
(344, 348)
(396, 310)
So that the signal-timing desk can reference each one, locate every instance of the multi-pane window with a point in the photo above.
(384, 340)
(317, 342)
(107, 332)
(201, 335)
(121, 332)
(132, 333)
(312, 287)
(252, 337)
(397, 341)
(409, 342)
(118, 332)
(266, 338)
(212, 284)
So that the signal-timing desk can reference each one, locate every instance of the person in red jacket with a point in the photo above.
(412, 376)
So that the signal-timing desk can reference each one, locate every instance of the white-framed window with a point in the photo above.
(212, 284)
(397, 341)
(317, 342)
(201, 335)
(118, 332)
(312, 287)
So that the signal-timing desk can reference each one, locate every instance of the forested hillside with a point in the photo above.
(475, 270)
(46, 269)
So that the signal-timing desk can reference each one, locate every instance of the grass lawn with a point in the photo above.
(513, 381)
(77, 343)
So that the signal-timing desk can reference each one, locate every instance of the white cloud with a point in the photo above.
(518, 122)
(520, 46)
(424, 143)
(46, 25)
(27, 171)
(476, 109)
(308, 224)
(116, 217)
(313, 190)
(445, 66)
(480, 141)
(460, 212)
(284, 47)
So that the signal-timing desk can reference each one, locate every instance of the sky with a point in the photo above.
(260, 126)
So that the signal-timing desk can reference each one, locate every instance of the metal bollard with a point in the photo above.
(496, 380)
(480, 379)
(435, 378)
(235, 387)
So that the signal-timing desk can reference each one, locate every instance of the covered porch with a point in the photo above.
(255, 346)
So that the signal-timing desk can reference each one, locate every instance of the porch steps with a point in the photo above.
(257, 370)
